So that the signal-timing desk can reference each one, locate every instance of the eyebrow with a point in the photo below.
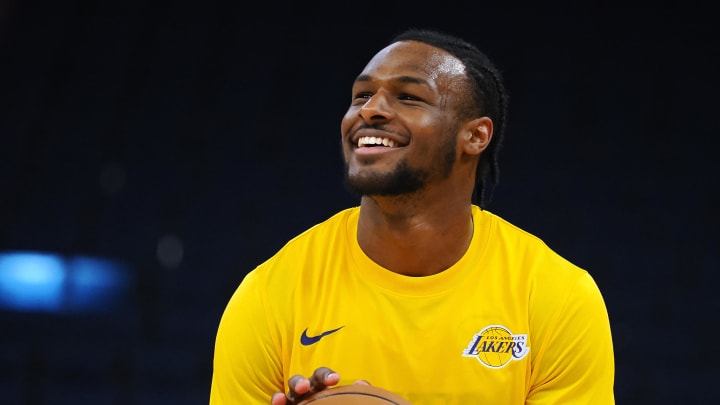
(402, 79)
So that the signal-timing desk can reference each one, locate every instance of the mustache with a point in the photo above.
(381, 127)
(375, 126)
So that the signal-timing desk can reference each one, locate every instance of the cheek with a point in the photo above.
(347, 121)
(435, 142)
(428, 131)
(431, 126)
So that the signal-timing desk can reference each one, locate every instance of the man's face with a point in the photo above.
(399, 133)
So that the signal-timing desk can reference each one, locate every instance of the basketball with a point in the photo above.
(355, 394)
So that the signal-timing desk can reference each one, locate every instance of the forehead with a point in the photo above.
(412, 58)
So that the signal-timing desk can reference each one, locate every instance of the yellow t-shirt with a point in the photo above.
(511, 322)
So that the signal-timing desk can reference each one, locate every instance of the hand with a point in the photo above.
(302, 388)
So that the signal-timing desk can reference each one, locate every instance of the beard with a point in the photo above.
(403, 179)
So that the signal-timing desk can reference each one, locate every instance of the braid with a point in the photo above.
(489, 98)
(488, 168)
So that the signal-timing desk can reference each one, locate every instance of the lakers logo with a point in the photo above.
(495, 346)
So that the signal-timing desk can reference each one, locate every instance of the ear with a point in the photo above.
(477, 134)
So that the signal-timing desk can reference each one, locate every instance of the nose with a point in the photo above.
(376, 108)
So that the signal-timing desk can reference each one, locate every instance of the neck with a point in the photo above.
(412, 240)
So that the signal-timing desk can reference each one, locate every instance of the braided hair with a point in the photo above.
(489, 99)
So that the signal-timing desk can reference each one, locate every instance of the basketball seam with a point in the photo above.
(354, 393)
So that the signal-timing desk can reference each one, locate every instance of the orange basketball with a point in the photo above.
(355, 394)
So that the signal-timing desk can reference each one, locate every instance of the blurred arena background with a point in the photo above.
(153, 152)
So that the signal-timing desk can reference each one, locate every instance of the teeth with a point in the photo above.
(375, 141)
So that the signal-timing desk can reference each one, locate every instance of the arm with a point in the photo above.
(575, 361)
(246, 363)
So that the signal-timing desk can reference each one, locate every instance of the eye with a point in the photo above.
(360, 98)
(409, 97)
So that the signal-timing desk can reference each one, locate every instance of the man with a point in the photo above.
(419, 290)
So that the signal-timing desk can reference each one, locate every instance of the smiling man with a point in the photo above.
(420, 289)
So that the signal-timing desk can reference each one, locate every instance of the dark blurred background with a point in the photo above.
(184, 142)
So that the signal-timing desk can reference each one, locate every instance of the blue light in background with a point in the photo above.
(97, 284)
(47, 282)
(30, 281)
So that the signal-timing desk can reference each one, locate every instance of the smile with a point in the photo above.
(375, 141)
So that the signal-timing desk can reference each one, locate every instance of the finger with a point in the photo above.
(299, 388)
(278, 399)
(322, 378)
(299, 384)
(362, 382)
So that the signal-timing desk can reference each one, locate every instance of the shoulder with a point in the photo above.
(501, 227)
(540, 264)
(314, 241)
(322, 232)
(280, 274)
(516, 240)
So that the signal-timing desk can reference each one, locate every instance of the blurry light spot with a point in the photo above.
(97, 283)
(31, 281)
(170, 251)
(37, 281)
